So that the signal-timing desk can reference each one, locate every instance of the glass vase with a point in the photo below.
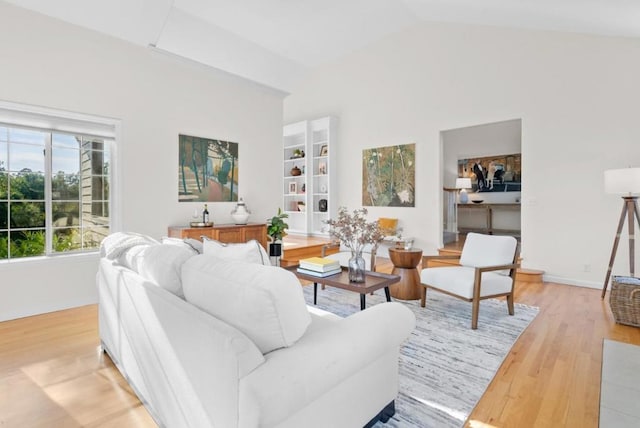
(356, 267)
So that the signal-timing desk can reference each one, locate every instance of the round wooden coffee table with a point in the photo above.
(405, 264)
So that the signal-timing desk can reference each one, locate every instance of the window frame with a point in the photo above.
(52, 122)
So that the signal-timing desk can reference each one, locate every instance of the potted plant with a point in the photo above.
(276, 230)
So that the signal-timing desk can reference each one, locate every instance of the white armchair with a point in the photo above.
(487, 269)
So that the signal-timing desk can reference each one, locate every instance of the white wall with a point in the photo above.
(577, 98)
(49, 63)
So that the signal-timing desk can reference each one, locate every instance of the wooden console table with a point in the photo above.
(224, 232)
(489, 210)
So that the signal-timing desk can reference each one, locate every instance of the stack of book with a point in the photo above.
(319, 266)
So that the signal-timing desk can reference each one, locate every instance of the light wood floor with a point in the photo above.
(53, 375)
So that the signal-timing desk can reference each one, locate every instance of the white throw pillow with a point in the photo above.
(264, 302)
(161, 264)
(188, 243)
(248, 252)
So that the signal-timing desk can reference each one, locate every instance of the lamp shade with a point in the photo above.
(622, 181)
(463, 183)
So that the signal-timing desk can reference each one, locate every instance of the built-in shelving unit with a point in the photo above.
(307, 196)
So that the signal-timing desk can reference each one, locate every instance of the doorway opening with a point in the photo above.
(488, 159)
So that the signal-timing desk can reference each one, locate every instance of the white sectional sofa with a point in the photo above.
(241, 349)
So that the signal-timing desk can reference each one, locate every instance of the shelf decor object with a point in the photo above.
(463, 184)
(625, 182)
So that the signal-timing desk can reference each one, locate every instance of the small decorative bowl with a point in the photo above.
(477, 201)
(201, 224)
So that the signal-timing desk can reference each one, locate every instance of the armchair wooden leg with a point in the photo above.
(475, 308)
(510, 304)
(423, 296)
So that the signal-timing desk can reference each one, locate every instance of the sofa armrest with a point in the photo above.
(182, 362)
(321, 360)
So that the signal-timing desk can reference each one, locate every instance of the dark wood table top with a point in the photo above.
(373, 280)
(405, 258)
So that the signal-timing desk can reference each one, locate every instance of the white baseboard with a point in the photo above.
(43, 309)
(572, 281)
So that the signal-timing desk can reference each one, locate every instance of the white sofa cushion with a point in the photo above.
(264, 302)
(332, 352)
(459, 281)
(488, 250)
(160, 264)
(249, 252)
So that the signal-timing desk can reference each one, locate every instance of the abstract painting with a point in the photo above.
(389, 176)
(499, 173)
(207, 170)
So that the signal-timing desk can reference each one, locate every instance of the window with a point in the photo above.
(54, 191)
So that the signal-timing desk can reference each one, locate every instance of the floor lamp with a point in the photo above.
(625, 182)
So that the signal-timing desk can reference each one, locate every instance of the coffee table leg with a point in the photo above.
(362, 301)
(315, 292)
(387, 293)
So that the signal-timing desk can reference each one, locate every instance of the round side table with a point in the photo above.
(405, 264)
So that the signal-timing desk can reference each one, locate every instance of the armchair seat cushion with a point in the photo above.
(458, 280)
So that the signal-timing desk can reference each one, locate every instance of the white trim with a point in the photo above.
(48, 198)
(572, 281)
(72, 257)
(115, 197)
(57, 120)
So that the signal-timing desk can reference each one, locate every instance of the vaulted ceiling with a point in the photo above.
(275, 42)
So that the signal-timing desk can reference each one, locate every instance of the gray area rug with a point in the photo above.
(445, 367)
(620, 385)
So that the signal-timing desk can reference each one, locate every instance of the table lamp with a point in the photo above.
(625, 182)
(463, 184)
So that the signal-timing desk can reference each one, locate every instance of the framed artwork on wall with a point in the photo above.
(207, 170)
(389, 176)
(499, 173)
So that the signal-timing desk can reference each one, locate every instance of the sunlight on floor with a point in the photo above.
(478, 424)
(451, 412)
